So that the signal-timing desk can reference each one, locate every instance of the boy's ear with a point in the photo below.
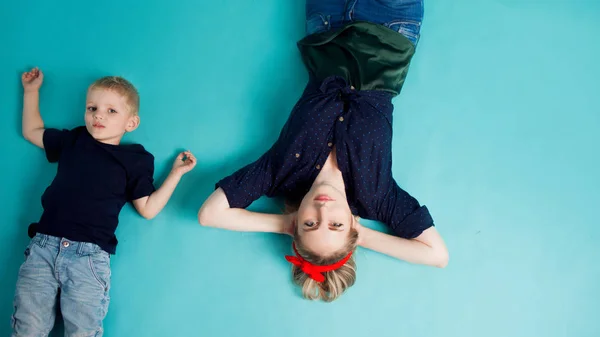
(132, 123)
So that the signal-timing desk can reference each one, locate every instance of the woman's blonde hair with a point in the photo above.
(336, 281)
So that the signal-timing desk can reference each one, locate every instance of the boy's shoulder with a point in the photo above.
(130, 150)
(134, 149)
(63, 135)
(134, 156)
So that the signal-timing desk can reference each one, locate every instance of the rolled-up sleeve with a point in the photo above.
(248, 183)
(403, 213)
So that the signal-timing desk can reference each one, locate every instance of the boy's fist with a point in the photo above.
(32, 80)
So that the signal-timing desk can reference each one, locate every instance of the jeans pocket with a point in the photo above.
(410, 29)
(100, 267)
(317, 23)
(27, 251)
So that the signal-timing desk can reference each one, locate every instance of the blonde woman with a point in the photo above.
(333, 158)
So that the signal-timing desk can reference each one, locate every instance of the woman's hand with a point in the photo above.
(360, 229)
(289, 225)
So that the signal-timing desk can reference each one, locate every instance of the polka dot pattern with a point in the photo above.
(359, 125)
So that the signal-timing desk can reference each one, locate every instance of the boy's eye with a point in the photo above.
(112, 111)
(338, 225)
(309, 224)
(91, 108)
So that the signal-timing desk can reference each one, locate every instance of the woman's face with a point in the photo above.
(324, 219)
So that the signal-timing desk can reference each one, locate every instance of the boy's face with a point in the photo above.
(107, 116)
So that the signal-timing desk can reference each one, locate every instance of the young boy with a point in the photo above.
(96, 176)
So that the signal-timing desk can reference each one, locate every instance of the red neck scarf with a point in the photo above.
(313, 271)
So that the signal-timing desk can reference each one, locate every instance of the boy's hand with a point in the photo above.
(150, 206)
(184, 163)
(32, 80)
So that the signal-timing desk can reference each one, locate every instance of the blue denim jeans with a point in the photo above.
(403, 16)
(80, 270)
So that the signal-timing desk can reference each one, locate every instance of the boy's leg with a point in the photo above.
(323, 15)
(85, 289)
(403, 16)
(35, 295)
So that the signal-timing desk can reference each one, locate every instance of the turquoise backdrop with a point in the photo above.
(497, 131)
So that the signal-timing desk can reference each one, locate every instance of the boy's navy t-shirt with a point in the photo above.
(93, 182)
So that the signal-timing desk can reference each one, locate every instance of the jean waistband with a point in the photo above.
(83, 248)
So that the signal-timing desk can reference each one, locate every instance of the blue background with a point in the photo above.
(497, 131)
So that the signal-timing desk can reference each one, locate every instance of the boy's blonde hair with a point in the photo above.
(121, 86)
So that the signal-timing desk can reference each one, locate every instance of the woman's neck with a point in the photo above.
(330, 173)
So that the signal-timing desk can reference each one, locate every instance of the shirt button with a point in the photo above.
(330, 144)
(66, 244)
(297, 155)
(318, 167)
(351, 87)
(341, 119)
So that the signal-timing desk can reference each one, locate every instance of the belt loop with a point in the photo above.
(43, 240)
(80, 248)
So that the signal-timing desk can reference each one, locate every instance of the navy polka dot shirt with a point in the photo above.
(359, 124)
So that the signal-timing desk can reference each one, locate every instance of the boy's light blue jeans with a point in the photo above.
(56, 269)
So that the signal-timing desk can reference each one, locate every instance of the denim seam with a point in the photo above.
(409, 33)
(91, 263)
(13, 319)
(412, 22)
(56, 269)
(350, 11)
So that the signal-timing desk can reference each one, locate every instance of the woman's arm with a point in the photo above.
(215, 212)
(428, 248)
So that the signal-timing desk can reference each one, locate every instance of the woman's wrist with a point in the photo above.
(362, 233)
(287, 226)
